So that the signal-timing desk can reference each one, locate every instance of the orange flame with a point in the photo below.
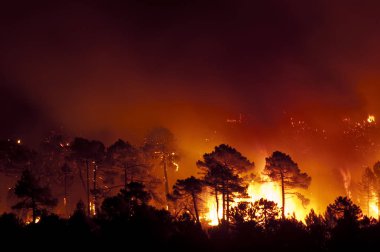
(268, 190)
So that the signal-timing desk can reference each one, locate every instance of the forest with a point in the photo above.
(126, 200)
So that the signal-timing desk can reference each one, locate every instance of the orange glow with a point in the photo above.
(176, 166)
(272, 191)
(373, 209)
(371, 118)
(210, 217)
(30, 220)
(92, 208)
(346, 181)
(268, 190)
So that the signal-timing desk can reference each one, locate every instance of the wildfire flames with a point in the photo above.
(92, 208)
(176, 166)
(30, 220)
(373, 209)
(268, 190)
(371, 119)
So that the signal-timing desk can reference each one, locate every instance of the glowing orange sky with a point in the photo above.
(108, 70)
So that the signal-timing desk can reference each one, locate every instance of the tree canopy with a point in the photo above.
(32, 194)
(281, 168)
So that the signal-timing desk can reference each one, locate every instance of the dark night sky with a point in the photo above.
(105, 69)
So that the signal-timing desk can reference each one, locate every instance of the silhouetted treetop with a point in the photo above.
(343, 209)
(227, 156)
(85, 149)
(15, 157)
(190, 187)
(282, 169)
(160, 139)
(33, 195)
(222, 171)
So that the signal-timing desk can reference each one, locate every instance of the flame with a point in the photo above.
(30, 220)
(272, 191)
(176, 166)
(18, 141)
(92, 208)
(373, 210)
(211, 217)
(371, 119)
(346, 181)
(268, 190)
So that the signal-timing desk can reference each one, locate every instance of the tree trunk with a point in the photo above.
(368, 197)
(82, 179)
(195, 208)
(95, 189)
(88, 189)
(166, 181)
(283, 196)
(65, 194)
(224, 203)
(217, 203)
(125, 177)
(228, 204)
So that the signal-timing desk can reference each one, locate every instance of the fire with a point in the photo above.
(268, 190)
(373, 210)
(272, 191)
(176, 166)
(211, 217)
(371, 119)
(92, 208)
(346, 175)
(18, 141)
(30, 220)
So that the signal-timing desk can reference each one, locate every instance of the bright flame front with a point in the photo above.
(268, 190)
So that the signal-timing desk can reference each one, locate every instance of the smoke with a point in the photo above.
(105, 70)
(346, 176)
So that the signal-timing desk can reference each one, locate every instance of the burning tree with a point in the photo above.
(54, 166)
(14, 157)
(160, 146)
(189, 188)
(260, 212)
(376, 172)
(126, 202)
(342, 210)
(367, 184)
(125, 157)
(87, 152)
(53, 152)
(222, 169)
(282, 169)
(266, 211)
(68, 180)
(33, 194)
